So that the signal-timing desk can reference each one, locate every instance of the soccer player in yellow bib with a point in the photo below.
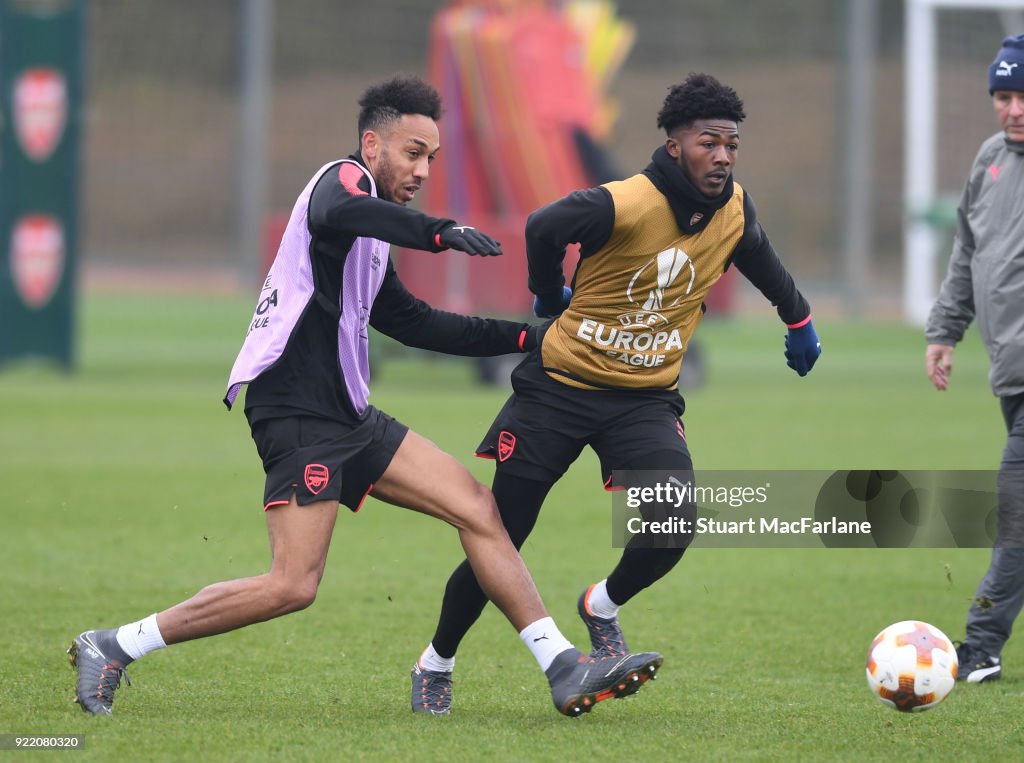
(605, 371)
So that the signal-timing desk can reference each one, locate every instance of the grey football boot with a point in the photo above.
(100, 663)
(579, 681)
(431, 691)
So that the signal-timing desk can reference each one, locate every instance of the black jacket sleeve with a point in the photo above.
(755, 258)
(339, 208)
(400, 315)
(585, 217)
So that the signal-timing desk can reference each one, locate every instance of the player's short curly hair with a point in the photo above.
(699, 96)
(387, 101)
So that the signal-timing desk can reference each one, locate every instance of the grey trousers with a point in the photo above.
(1000, 595)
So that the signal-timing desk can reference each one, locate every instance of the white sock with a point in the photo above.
(600, 604)
(545, 641)
(140, 638)
(431, 660)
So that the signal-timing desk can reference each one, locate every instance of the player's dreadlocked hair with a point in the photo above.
(386, 102)
(700, 96)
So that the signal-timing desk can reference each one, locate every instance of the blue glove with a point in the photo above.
(802, 348)
(552, 305)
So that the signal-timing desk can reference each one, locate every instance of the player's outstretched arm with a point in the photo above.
(341, 206)
(400, 315)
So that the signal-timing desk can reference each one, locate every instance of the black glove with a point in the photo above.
(463, 238)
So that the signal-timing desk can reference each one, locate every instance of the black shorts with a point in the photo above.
(544, 426)
(316, 459)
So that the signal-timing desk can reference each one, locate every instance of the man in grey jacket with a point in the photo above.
(986, 279)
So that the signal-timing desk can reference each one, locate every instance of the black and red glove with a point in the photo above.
(464, 238)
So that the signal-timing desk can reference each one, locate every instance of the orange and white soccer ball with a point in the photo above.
(911, 666)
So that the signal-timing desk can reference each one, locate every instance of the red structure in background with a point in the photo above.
(515, 89)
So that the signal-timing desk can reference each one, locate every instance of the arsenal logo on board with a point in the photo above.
(506, 444)
(37, 258)
(316, 477)
(40, 111)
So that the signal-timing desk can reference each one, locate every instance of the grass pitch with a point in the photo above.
(127, 488)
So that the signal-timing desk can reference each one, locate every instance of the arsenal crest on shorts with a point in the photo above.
(316, 477)
(40, 111)
(506, 444)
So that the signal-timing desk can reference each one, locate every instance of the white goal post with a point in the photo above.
(919, 189)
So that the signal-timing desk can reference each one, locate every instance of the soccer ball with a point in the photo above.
(911, 666)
